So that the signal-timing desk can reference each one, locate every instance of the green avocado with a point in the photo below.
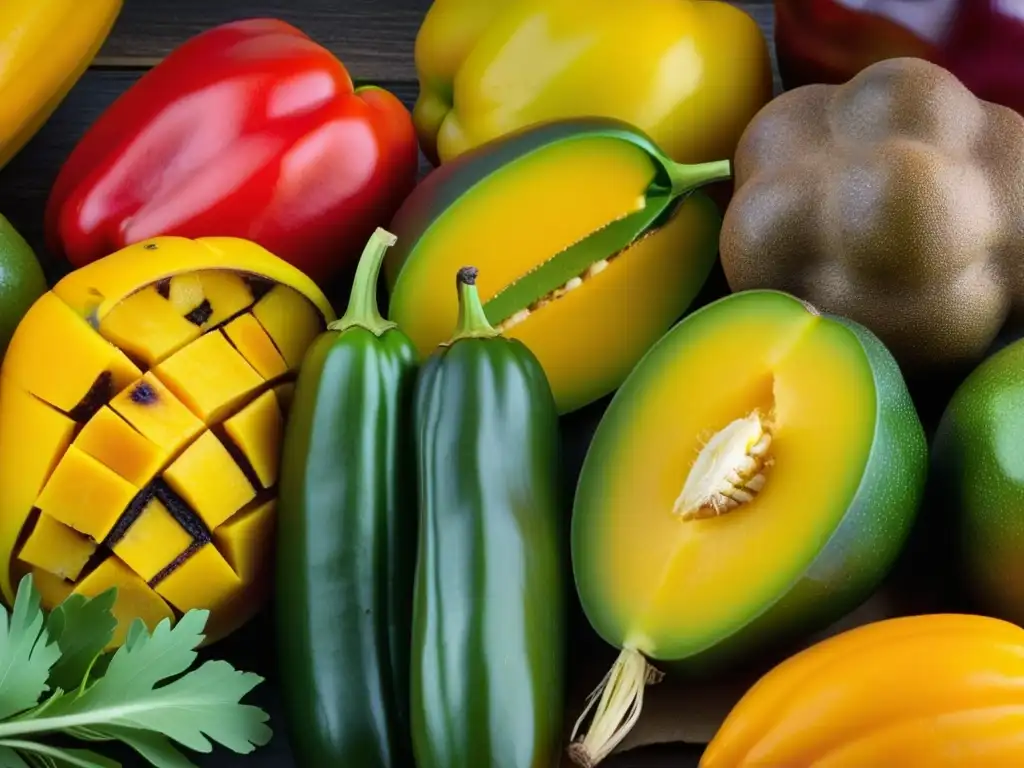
(21, 280)
(977, 484)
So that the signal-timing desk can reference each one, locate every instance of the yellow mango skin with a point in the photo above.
(930, 691)
(588, 340)
(54, 451)
(689, 74)
(45, 47)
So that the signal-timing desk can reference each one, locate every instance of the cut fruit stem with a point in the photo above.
(622, 699)
(729, 471)
(363, 310)
(685, 178)
(472, 322)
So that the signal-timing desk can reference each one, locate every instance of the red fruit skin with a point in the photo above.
(250, 129)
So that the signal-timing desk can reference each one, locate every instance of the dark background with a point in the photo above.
(374, 39)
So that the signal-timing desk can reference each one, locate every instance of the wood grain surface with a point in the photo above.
(374, 38)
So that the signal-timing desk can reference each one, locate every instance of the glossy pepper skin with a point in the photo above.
(689, 73)
(35, 73)
(488, 640)
(249, 129)
(928, 691)
(346, 540)
(979, 41)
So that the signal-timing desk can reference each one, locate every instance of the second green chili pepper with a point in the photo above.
(488, 664)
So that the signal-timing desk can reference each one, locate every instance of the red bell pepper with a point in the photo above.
(250, 129)
(979, 41)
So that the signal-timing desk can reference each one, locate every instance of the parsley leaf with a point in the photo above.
(82, 628)
(125, 704)
(26, 652)
(52, 757)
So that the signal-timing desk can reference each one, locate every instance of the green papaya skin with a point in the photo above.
(346, 540)
(862, 550)
(488, 665)
(976, 485)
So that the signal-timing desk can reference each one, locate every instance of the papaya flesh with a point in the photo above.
(139, 399)
(521, 209)
(758, 472)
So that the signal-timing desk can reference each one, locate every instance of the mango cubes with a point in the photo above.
(144, 401)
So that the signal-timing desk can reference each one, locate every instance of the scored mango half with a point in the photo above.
(589, 242)
(142, 401)
(753, 480)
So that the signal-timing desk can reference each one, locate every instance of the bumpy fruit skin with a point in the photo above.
(892, 199)
(977, 481)
(142, 428)
(621, 526)
(516, 202)
(930, 691)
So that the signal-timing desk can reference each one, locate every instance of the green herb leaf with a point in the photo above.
(11, 759)
(55, 757)
(26, 652)
(155, 748)
(192, 710)
(82, 627)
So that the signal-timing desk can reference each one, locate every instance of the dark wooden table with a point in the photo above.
(374, 38)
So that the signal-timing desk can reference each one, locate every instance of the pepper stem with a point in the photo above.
(685, 178)
(472, 322)
(622, 699)
(362, 310)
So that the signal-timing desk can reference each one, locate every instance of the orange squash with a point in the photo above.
(934, 691)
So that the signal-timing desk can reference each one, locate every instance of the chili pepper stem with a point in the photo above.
(362, 310)
(685, 178)
(622, 698)
(472, 322)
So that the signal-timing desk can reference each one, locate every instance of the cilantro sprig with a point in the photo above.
(56, 678)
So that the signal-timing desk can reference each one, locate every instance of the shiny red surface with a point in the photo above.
(980, 41)
(250, 129)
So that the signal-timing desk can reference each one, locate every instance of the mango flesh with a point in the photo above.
(123, 397)
(522, 214)
(841, 483)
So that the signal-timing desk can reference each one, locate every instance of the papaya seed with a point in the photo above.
(729, 470)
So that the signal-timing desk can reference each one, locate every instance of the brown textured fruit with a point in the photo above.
(142, 401)
(895, 199)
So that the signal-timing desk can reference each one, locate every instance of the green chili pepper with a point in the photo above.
(488, 663)
(346, 540)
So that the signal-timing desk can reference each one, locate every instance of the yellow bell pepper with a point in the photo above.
(930, 691)
(45, 47)
(689, 73)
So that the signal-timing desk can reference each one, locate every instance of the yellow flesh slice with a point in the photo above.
(209, 480)
(227, 293)
(257, 431)
(134, 597)
(702, 579)
(153, 410)
(256, 346)
(205, 580)
(64, 379)
(290, 320)
(148, 327)
(85, 495)
(153, 541)
(56, 548)
(516, 220)
(115, 443)
(209, 376)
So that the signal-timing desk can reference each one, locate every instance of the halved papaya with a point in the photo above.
(521, 209)
(753, 480)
